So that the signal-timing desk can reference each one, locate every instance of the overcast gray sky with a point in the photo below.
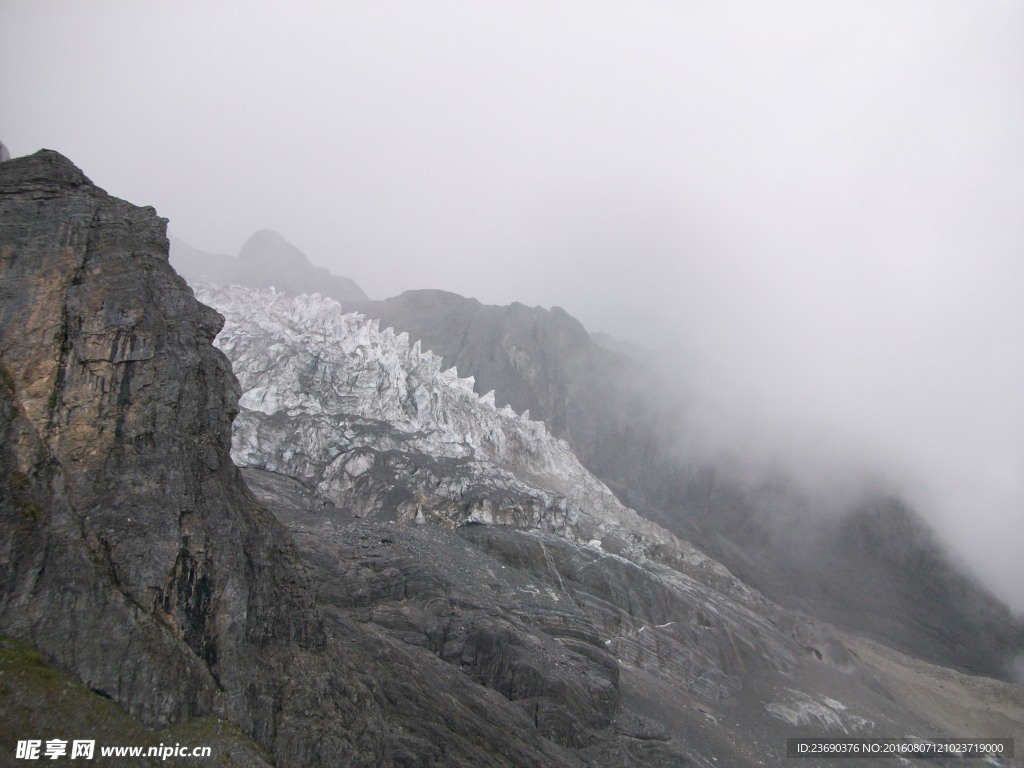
(817, 205)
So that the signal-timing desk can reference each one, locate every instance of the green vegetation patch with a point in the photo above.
(37, 701)
(31, 511)
(6, 381)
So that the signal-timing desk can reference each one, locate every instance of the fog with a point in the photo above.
(812, 210)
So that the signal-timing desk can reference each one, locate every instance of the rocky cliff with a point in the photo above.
(132, 553)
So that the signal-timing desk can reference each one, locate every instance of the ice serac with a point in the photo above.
(373, 427)
(328, 396)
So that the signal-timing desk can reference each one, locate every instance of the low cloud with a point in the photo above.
(812, 209)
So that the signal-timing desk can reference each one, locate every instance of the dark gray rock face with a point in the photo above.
(132, 553)
(623, 422)
(877, 569)
(265, 260)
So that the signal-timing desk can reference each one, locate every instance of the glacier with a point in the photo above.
(370, 421)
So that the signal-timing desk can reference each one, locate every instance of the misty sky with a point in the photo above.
(817, 206)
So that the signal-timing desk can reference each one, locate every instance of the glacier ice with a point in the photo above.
(368, 419)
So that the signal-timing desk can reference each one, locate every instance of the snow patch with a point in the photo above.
(801, 709)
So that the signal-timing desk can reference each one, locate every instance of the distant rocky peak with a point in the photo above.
(267, 248)
(266, 260)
